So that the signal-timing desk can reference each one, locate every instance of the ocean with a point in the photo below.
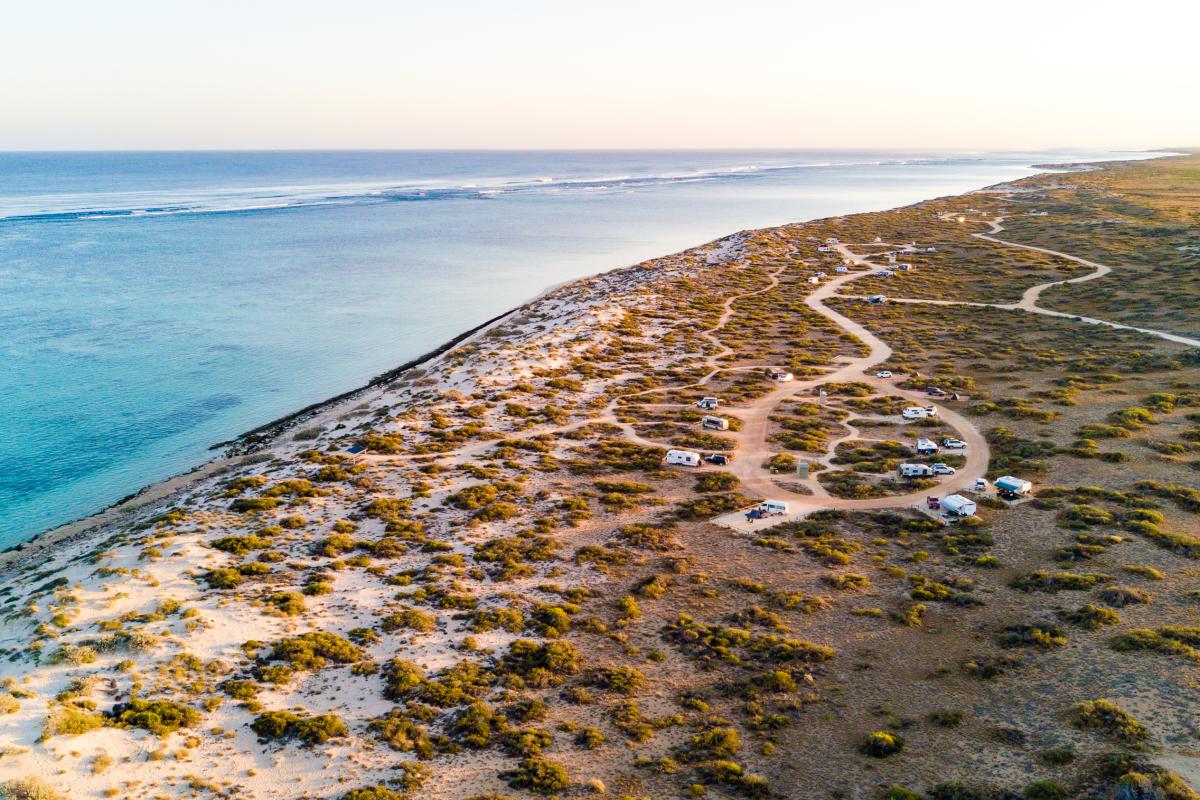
(152, 304)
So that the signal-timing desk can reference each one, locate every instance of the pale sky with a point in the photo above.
(169, 74)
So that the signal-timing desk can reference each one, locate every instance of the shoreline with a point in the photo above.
(261, 437)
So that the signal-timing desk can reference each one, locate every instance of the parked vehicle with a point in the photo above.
(772, 508)
(943, 469)
(683, 458)
(883, 373)
(776, 374)
(925, 447)
(877, 299)
(840, 269)
(981, 484)
(931, 411)
(914, 412)
(958, 506)
(709, 403)
(1011, 488)
(714, 423)
(954, 444)
(916, 471)
(933, 502)
(719, 459)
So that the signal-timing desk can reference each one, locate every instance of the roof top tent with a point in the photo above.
(958, 505)
(1013, 485)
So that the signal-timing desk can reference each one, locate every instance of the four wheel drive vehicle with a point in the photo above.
(954, 444)
(877, 299)
(943, 469)
(931, 411)
(720, 459)
(883, 373)
(981, 484)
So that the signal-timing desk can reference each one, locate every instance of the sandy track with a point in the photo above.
(754, 448)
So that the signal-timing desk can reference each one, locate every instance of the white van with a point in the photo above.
(709, 403)
(773, 507)
(714, 423)
(683, 458)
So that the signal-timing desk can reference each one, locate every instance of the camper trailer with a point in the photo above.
(714, 423)
(925, 447)
(1009, 487)
(709, 403)
(913, 412)
(955, 505)
(841, 269)
(683, 458)
(877, 299)
(916, 471)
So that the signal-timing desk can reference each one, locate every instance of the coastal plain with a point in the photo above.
(480, 579)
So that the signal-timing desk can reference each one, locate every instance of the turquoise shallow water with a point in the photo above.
(154, 303)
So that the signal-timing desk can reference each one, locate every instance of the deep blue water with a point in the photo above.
(154, 303)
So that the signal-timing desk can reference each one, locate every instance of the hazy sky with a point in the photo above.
(651, 73)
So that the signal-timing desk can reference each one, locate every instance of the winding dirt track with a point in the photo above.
(1029, 300)
(754, 448)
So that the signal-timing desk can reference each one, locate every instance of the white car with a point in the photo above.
(954, 444)
(943, 469)
(883, 373)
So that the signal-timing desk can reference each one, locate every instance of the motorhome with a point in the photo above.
(714, 423)
(683, 458)
(916, 471)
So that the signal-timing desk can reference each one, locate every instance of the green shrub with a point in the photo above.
(30, 788)
(882, 744)
(314, 649)
(540, 775)
(1110, 719)
(160, 717)
(278, 725)
(71, 721)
